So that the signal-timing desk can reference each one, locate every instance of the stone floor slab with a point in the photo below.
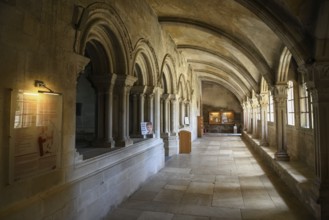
(220, 179)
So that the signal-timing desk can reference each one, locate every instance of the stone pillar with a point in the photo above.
(104, 86)
(255, 106)
(157, 116)
(173, 120)
(141, 107)
(317, 81)
(123, 86)
(263, 111)
(244, 116)
(249, 122)
(165, 112)
(280, 105)
(137, 93)
(150, 98)
(135, 114)
(183, 111)
(109, 114)
(169, 136)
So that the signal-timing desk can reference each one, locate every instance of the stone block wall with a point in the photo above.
(93, 195)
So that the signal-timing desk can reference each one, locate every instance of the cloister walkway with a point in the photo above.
(220, 179)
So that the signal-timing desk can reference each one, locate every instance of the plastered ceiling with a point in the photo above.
(235, 43)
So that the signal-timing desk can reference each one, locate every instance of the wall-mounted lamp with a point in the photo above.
(39, 83)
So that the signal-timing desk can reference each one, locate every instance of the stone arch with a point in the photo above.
(100, 22)
(263, 86)
(168, 69)
(283, 71)
(101, 35)
(182, 82)
(144, 55)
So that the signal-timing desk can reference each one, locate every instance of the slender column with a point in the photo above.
(123, 86)
(280, 104)
(161, 116)
(151, 107)
(249, 127)
(137, 93)
(173, 102)
(141, 107)
(183, 112)
(166, 120)
(244, 116)
(255, 106)
(104, 85)
(109, 112)
(135, 114)
(263, 111)
(157, 108)
(180, 111)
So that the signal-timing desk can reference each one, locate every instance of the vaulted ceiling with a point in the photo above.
(235, 43)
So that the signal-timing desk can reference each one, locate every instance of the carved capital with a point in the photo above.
(126, 80)
(263, 99)
(280, 93)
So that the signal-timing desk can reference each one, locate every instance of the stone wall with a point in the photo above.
(89, 193)
(38, 40)
(300, 145)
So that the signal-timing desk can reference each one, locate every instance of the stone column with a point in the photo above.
(263, 111)
(173, 120)
(137, 92)
(135, 114)
(245, 116)
(109, 114)
(157, 116)
(249, 123)
(123, 86)
(255, 106)
(165, 109)
(141, 107)
(104, 86)
(317, 81)
(280, 105)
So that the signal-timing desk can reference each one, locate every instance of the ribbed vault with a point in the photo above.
(237, 43)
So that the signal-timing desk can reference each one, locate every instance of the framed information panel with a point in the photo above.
(35, 134)
(214, 118)
(221, 117)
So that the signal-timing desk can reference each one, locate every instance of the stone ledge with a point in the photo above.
(297, 176)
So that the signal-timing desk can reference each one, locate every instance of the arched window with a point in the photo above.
(270, 110)
(305, 105)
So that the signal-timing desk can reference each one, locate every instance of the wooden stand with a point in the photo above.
(184, 142)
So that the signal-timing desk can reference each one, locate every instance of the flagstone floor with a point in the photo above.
(220, 179)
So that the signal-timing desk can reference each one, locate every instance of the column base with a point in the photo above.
(264, 143)
(124, 143)
(171, 145)
(282, 156)
(101, 143)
